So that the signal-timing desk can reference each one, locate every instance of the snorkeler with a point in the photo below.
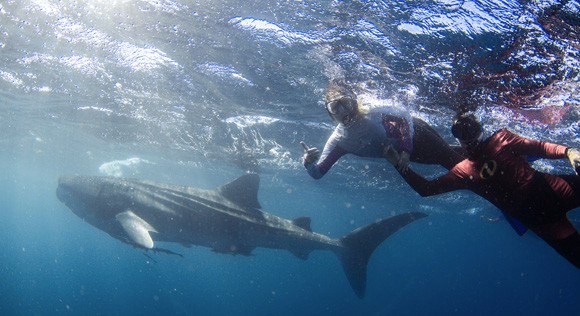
(497, 170)
(365, 132)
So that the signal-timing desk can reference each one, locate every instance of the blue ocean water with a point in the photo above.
(201, 92)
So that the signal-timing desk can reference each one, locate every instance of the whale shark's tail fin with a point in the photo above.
(360, 244)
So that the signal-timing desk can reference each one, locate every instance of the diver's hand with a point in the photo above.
(573, 155)
(311, 154)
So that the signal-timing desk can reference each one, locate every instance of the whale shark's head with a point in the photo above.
(80, 194)
(94, 199)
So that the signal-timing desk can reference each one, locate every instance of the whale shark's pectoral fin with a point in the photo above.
(136, 228)
(302, 254)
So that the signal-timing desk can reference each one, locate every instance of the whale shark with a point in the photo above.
(228, 219)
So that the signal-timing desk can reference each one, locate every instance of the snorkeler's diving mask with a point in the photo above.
(342, 110)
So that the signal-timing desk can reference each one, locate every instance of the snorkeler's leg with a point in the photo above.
(430, 148)
(568, 248)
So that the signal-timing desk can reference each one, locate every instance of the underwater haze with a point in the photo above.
(201, 92)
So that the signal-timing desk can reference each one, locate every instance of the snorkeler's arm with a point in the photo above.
(318, 169)
(446, 183)
(330, 155)
(443, 184)
(532, 147)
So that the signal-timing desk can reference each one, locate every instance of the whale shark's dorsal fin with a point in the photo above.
(136, 228)
(243, 191)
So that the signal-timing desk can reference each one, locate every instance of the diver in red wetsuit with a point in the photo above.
(497, 170)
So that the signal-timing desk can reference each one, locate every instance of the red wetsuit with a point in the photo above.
(501, 174)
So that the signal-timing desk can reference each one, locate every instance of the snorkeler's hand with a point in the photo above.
(573, 155)
(391, 155)
(404, 158)
(311, 154)
(398, 160)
